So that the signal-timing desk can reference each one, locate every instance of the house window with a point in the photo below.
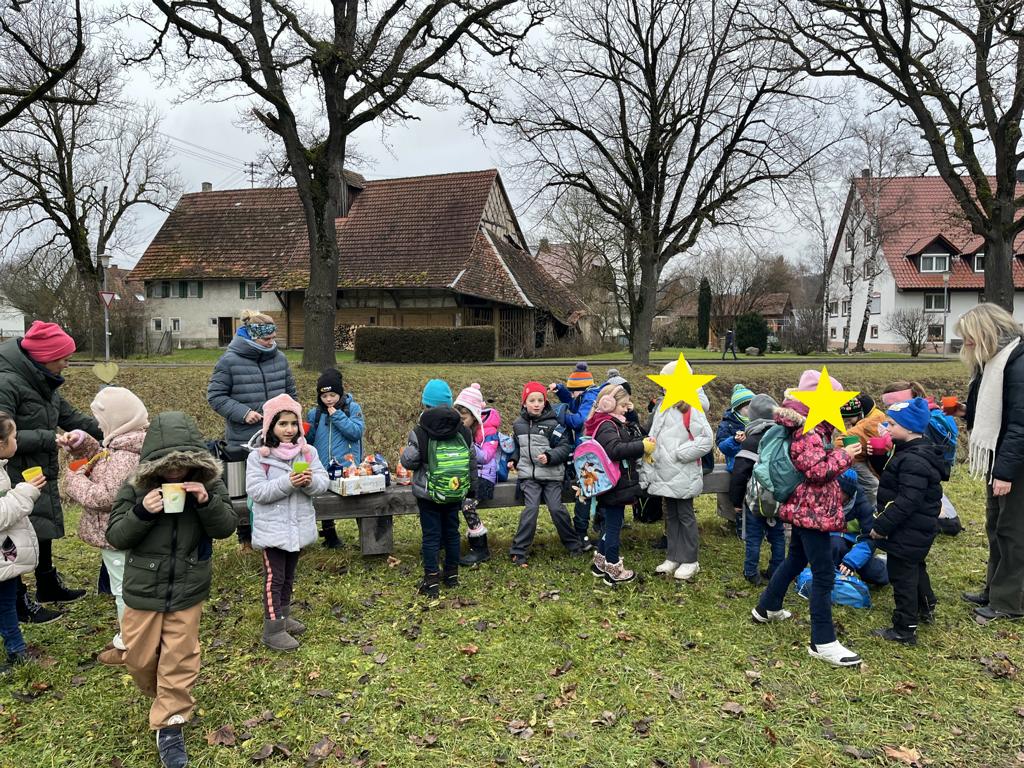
(867, 235)
(249, 289)
(849, 241)
(876, 304)
(936, 333)
(874, 331)
(191, 289)
(831, 333)
(934, 302)
(833, 309)
(979, 262)
(846, 308)
(175, 325)
(848, 273)
(934, 262)
(158, 324)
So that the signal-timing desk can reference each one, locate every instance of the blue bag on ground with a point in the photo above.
(848, 590)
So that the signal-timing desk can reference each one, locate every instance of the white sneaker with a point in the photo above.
(667, 567)
(835, 653)
(687, 571)
(779, 615)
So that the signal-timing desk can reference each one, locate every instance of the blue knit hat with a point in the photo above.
(437, 392)
(848, 482)
(912, 415)
(741, 395)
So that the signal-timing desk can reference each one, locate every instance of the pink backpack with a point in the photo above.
(595, 472)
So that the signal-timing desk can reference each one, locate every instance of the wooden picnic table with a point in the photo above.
(374, 513)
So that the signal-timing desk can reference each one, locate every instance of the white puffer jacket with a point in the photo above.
(676, 471)
(19, 547)
(282, 515)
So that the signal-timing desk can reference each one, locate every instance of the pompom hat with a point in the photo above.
(741, 395)
(472, 399)
(809, 381)
(580, 378)
(283, 403)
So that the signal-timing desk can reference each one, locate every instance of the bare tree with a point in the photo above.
(31, 68)
(668, 116)
(955, 70)
(740, 280)
(357, 62)
(912, 326)
(74, 175)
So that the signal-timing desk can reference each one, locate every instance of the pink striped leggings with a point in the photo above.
(278, 579)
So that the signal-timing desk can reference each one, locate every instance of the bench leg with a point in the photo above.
(376, 535)
(725, 508)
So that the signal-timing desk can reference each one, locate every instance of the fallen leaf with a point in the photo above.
(269, 750)
(264, 717)
(559, 671)
(77, 681)
(733, 708)
(428, 740)
(1020, 711)
(857, 753)
(520, 729)
(624, 636)
(768, 701)
(380, 658)
(770, 735)
(320, 752)
(314, 675)
(605, 719)
(412, 632)
(999, 666)
(320, 693)
(906, 755)
(906, 687)
(222, 737)
(469, 649)
(115, 762)
(753, 676)
(40, 687)
(642, 727)
(480, 626)
(393, 561)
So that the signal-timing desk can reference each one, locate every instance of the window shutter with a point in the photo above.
(200, 289)
(259, 293)
(165, 289)
(241, 289)
(149, 289)
(182, 289)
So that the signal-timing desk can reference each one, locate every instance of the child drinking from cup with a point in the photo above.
(282, 475)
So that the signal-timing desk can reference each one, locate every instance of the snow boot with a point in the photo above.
(478, 551)
(431, 585)
(276, 637)
(50, 588)
(292, 626)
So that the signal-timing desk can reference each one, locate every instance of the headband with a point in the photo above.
(261, 330)
(889, 398)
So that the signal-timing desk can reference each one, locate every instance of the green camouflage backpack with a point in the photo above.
(447, 463)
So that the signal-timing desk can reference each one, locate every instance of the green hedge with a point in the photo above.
(473, 344)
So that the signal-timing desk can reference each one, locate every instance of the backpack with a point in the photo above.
(847, 590)
(597, 473)
(447, 463)
(759, 501)
(774, 470)
(707, 461)
(943, 431)
(506, 449)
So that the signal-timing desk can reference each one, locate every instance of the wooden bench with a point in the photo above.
(374, 513)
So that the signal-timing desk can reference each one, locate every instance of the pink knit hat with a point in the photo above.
(472, 399)
(46, 342)
(281, 404)
(809, 381)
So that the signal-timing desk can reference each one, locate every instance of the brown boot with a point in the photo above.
(111, 656)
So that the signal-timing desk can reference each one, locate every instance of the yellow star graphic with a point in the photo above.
(824, 403)
(682, 385)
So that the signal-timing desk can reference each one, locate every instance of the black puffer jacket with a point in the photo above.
(621, 445)
(1009, 461)
(909, 498)
(533, 437)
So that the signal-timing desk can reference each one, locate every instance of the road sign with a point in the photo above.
(107, 297)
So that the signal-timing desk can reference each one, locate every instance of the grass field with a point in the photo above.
(535, 666)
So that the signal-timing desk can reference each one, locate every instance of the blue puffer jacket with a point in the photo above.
(572, 412)
(337, 435)
(856, 509)
(725, 438)
(245, 377)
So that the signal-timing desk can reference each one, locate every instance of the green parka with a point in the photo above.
(168, 565)
(31, 396)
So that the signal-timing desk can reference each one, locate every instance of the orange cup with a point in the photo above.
(950, 404)
(78, 464)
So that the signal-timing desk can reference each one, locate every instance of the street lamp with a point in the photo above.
(105, 264)
(945, 311)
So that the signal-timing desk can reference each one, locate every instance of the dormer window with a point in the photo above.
(934, 262)
(979, 262)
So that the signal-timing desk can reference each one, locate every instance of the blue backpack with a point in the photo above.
(847, 590)
(506, 447)
(943, 431)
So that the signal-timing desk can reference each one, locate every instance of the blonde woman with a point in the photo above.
(251, 372)
(994, 354)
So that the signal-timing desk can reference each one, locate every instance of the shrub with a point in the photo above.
(471, 344)
(804, 333)
(752, 331)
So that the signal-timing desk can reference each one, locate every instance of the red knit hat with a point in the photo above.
(534, 386)
(46, 342)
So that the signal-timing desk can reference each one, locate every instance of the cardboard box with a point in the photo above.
(357, 486)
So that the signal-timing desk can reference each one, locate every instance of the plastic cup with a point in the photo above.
(850, 440)
(950, 405)
(174, 497)
(299, 467)
(78, 464)
(879, 445)
(30, 474)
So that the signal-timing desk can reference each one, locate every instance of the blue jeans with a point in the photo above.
(814, 547)
(609, 543)
(9, 629)
(440, 525)
(758, 530)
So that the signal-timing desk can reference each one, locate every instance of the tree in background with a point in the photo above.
(704, 313)
(752, 331)
(912, 326)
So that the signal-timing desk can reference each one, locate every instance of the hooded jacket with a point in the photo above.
(817, 502)
(30, 395)
(725, 437)
(336, 435)
(533, 438)
(761, 418)
(487, 449)
(245, 377)
(282, 515)
(910, 498)
(620, 445)
(168, 565)
(440, 423)
(573, 411)
(19, 546)
(676, 472)
(865, 429)
(96, 486)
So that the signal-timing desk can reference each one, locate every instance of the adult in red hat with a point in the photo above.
(30, 380)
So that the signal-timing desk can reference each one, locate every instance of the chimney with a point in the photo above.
(865, 173)
(207, 186)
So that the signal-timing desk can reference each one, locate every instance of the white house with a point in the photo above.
(902, 243)
(12, 321)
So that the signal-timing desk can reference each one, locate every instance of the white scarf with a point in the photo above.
(988, 415)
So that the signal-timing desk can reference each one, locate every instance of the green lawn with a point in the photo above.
(535, 666)
(672, 353)
(210, 356)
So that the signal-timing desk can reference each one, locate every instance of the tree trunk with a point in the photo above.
(849, 320)
(999, 269)
(867, 315)
(648, 305)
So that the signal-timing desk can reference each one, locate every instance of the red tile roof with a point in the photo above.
(416, 232)
(769, 305)
(919, 210)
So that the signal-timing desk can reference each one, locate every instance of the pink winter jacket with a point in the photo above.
(97, 485)
(817, 503)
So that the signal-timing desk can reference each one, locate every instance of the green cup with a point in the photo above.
(850, 440)
(300, 466)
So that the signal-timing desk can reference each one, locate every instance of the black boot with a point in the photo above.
(451, 575)
(31, 612)
(331, 538)
(478, 551)
(431, 585)
(103, 583)
(50, 588)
